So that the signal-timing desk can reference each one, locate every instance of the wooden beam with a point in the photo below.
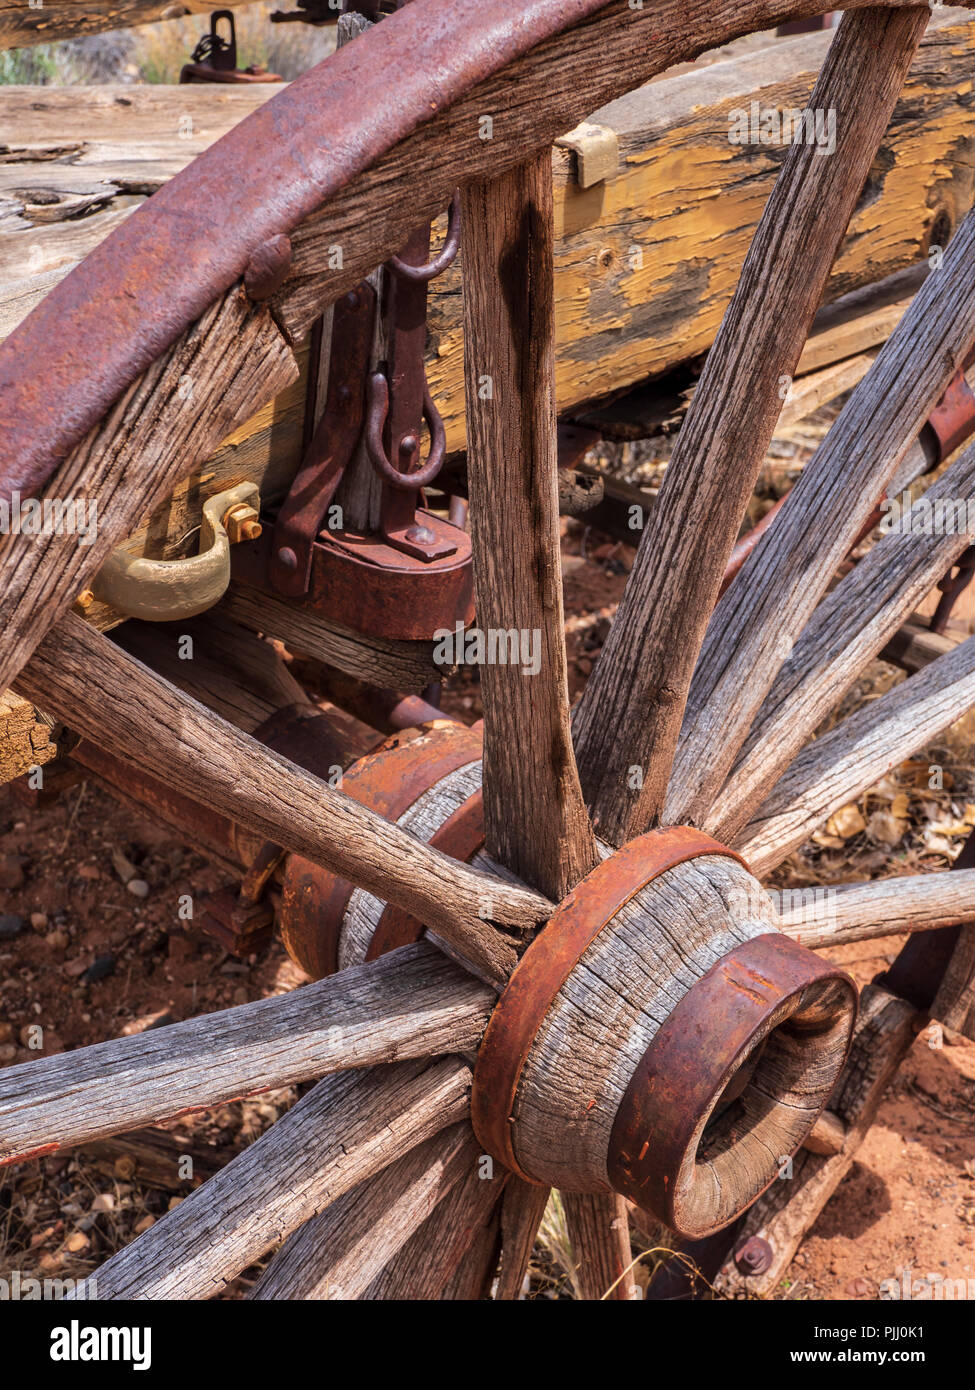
(22, 23)
(342, 1133)
(599, 1228)
(109, 696)
(535, 818)
(522, 1208)
(630, 715)
(412, 1003)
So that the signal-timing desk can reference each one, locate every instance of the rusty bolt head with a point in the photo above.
(754, 1256)
(241, 523)
(85, 599)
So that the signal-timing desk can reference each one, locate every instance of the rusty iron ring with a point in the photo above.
(389, 780)
(548, 963)
(765, 983)
(460, 837)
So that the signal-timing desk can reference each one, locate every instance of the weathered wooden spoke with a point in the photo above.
(535, 818)
(413, 1170)
(630, 717)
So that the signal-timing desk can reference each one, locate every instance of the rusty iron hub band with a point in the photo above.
(389, 781)
(692, 1061)
(548, 963)
(460, 836)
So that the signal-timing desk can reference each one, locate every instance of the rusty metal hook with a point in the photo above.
(420, 274)
(377, 410)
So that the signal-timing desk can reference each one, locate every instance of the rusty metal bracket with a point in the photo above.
(214, 58)
(332, 445)
(955, 582)
(953, 418)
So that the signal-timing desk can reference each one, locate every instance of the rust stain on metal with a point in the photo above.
(548, 962)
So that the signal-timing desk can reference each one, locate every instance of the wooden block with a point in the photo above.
(25, 738)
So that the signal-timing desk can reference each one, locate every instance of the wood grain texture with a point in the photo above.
(778, 587)
(842, 764)
(341, 1251)
(599, 1228)
(535, 818)
(630, 715)
(863, 911)
(25, 737)
(22, 23)
(848, 629)
(522, 1208)
(954, 1004)
(342, 1133)
(456, 1246)
(153, 725)
(785, 1213)
(218, 373)
(412, 1003)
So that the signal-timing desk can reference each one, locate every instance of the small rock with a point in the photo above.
(859, 1288)
(11, 871)
(123, 866)
(38, 920)
(57, 940)
(76, 1242)
(138, 887)
(147, 1022)
(10, 925)
(91, 872)
(103, 1202)
(144, 1223)
(100, 968)
(6, 1032)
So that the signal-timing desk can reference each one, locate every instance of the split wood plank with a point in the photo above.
(630, 714)
(522, 1208)
(535, 818)
(841, 765)
(342, 1133)
(150, 723)
(412, 1003)
(338, 1253)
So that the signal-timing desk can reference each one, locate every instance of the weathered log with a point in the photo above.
(339, 1252)
(782, 581)
(846, 631)
(842, 764)
(107, 694)
(413, 1003)
(630, 715)
(821, 918)
(22, 23)
(534, 815)
(342, 1133)
(599, 1229)
(788, 1209)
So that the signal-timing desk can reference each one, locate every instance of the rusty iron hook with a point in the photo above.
(377, 410)
(420, 274)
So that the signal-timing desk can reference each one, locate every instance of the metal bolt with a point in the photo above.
(241, 523)
(85, 599)
(420, 535)
(287, 559)
(754, 1256)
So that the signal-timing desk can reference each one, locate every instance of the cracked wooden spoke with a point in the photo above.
(599, 1228)
(522, 1208)
(535, 818)
(412, 1003)
(842, 764)
(345, 1131)
(822, 918)
(339, 1252)
(631, 712)
(848, 629)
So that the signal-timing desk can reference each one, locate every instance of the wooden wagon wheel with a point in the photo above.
(660, 1039)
